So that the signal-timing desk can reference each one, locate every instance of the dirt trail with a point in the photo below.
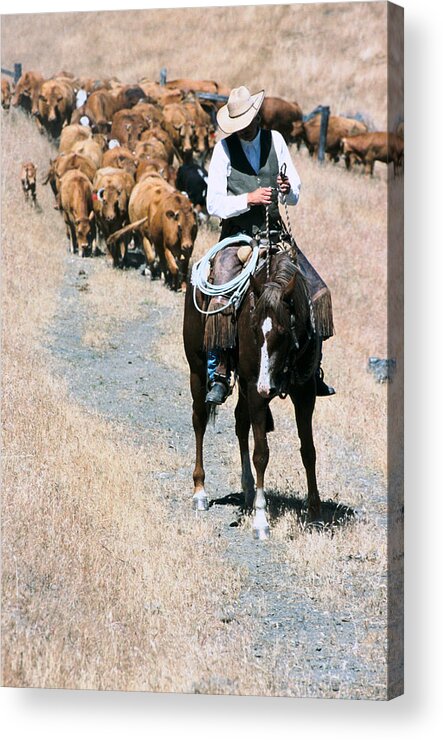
(125, 384)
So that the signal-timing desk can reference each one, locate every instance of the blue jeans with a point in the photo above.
(213, 360)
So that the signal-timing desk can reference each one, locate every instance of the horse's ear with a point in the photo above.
(255, 286)
(289, 290)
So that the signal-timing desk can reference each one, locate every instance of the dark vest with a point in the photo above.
(243, 179)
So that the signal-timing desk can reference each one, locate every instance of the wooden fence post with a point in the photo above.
(323, 132)
(17, 72)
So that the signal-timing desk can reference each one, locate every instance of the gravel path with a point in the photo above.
(124, 384)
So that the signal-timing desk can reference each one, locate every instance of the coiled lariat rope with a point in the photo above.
(235, 289)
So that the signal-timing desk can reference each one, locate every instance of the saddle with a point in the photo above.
(221, 328)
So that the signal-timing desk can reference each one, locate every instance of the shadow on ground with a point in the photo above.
(332, 514)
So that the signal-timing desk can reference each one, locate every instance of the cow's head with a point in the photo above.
(297, 131)
(113, 201)
(186, 133)
(28, 176)
(180, 231)
(200, 139)
(51, 101)
(24, 92)
(85, 233)
(133, 131)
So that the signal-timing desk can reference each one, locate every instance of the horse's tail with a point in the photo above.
(212, 410)
(269, 421)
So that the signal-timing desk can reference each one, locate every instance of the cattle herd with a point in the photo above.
(130, 161)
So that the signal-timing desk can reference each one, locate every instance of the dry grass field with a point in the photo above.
(333, 54)
(109, 579)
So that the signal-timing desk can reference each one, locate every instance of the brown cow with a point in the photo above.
(120, 157)
(127, 96)
(28, 176)
(27, 91)
(91, 149)
(71, 134)
(110, 200)
(151, 149)
(379, 146)
(63, 163)
(76, 204)
(170, 229)
(159, 94)
(178, 126)
(127, 126)
(338, 127)
(152, 112)
(159, 134)
(151, 166)
(101, 106)
(201, 122)
(6, 94)
(280, 115)
(98, 109)
(56, 101)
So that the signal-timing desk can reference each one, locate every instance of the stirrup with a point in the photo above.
(219, 390)
(323, 389)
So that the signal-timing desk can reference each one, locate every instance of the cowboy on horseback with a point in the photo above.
(250, 172)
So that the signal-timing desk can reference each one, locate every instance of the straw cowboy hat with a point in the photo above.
(240, 110)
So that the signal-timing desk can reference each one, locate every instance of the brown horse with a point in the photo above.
(277, 354)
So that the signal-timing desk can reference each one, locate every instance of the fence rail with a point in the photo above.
(16, 74)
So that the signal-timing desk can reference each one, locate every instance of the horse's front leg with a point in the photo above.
(304, 401)
(242, 427)
(200, 499)
(258, 411)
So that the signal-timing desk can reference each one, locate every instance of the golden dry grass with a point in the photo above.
(97, 586)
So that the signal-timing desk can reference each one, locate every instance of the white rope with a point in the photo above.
(235, 288)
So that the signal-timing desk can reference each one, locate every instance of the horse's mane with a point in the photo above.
(272, 300)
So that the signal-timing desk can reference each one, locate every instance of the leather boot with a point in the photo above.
(219, 390)
(322, 388)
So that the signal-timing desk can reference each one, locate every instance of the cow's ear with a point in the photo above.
(170, 214)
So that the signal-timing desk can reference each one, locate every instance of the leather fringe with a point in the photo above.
(220, 329)
(322, 303)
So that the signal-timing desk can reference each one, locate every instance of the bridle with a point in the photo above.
(295, 352)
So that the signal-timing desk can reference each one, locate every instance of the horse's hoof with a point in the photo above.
(261, 533)
(315, 525)
(200, 502)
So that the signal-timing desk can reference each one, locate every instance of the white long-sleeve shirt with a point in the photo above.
(218, 202)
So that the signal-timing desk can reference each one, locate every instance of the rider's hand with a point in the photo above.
(283, 184)
(260, 197)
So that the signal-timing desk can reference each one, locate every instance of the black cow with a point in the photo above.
(192, 179)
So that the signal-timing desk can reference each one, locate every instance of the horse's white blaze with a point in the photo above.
(264, 381)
